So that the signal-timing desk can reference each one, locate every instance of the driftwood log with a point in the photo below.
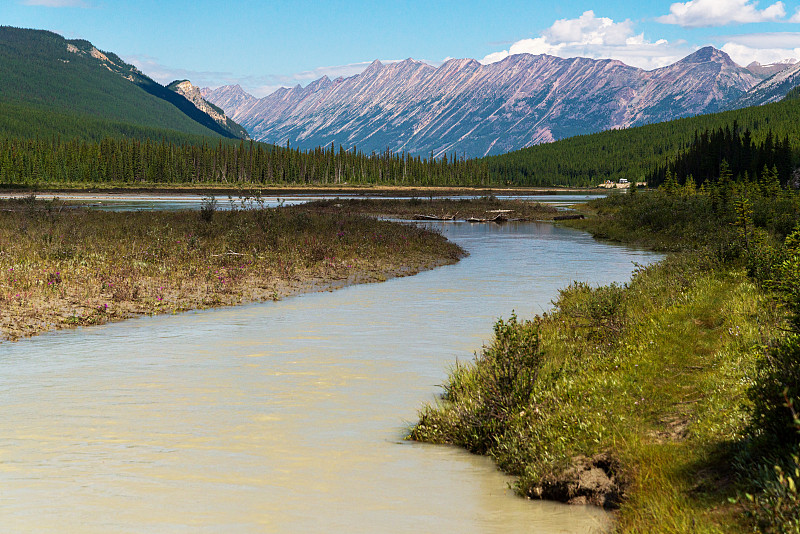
(496, 219)
(420, 217)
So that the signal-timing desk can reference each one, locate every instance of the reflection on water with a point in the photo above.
(285, 416)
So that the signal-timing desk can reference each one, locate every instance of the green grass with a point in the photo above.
(667, 396)
(653, 374)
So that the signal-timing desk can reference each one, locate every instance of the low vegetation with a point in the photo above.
(62, 266)
(671, 397)
(483, 208)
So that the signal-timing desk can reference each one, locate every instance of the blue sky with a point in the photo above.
(263, 45)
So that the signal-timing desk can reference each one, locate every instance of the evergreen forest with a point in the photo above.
(28, 162)
(637, 153)
(726, 153)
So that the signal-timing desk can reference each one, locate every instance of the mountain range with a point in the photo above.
(473, 110)
(52, 86)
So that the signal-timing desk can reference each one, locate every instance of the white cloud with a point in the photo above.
(765, 40)
(56, 3)
(762, 47)
(699, 13)
(796, 16)
(744, 55)
(597, 37)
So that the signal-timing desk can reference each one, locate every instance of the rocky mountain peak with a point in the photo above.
(374, 67)
(770, 69)
(193, 94)
(708, 54)
(477, 109)
(772, 89)
(458, 64)
(319, 84)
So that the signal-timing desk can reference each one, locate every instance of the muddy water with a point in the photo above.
(282, 417)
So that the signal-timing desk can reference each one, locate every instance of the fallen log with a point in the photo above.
(495, 219)
(420, 217)
(567, 217)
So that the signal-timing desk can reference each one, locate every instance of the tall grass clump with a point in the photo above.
(488, 397)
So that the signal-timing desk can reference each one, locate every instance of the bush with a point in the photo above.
(777, 508)
(208, 206)
(778, 378)
(483, 399)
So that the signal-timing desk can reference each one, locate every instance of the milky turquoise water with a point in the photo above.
(283, 416)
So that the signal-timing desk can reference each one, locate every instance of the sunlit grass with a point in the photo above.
(652, 375)
(63, 267)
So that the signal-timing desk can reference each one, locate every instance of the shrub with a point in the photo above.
(483, 399)
(208, 206)
(777, 508)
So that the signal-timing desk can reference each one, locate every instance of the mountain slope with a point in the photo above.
(772, 89)
(46, 74)
(474, 110)
(635, 152)
(192, 94)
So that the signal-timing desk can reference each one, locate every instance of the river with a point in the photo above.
(283, 416)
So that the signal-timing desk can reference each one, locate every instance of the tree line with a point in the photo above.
(727, 151)
(29, 162)
(635, 153)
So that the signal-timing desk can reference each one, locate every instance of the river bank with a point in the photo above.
(288, 415)
(481, 209)
(63, 267)
(663, 398)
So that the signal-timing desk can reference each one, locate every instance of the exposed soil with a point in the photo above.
(29, 319)
(597, 480)
(77, 267)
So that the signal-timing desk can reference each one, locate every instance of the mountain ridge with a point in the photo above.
(44, 73)
(472, 109)
(192, 93)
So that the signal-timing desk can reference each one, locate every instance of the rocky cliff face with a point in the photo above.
(193, 95)
(474, 110)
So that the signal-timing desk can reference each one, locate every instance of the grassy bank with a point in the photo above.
(663, 398)
(485, 207)
(62, 267)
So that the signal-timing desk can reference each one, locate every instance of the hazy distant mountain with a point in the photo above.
(53, 86)
(765, 71)
(772, 89)
(473, 109)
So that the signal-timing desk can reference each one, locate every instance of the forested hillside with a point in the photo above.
(727, 153)
(52, 86)
(635, 153)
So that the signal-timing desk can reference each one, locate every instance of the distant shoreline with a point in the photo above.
(272, 190)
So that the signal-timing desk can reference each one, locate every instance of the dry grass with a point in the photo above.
(63, 267)
(463, 208)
